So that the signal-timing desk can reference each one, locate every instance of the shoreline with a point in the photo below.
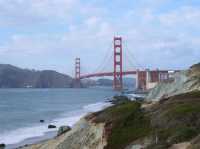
(92, 128)
(33, 140)
(51, 134)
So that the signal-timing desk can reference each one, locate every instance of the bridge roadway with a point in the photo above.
(104, 74)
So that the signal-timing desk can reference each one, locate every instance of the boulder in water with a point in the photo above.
(51, 126)
(42, 121)
(2, 146)
(63, 129)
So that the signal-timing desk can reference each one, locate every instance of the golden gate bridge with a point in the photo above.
(145, 78)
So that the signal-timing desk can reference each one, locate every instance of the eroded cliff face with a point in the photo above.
(84, 135)
(185, 81)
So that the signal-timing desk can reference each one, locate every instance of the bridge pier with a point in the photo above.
(137, 79)
(141, 78)
(148, 79)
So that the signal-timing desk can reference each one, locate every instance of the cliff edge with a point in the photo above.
(185, 81)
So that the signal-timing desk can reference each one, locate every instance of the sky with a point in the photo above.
(50, 34)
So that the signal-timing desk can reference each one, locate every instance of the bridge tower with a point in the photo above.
(77, 69)
(77, 80)
(118, 72)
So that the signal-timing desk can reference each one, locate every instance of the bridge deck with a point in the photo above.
(104, 74)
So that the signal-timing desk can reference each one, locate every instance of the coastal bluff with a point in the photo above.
(184, 81)
(171, 123)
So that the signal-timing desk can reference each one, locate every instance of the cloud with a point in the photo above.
(24, 45)
(184, 16)
(156, 37)
(35, 11)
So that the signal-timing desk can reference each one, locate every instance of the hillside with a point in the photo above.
(176, 120)
(185, 81)
(14, 77)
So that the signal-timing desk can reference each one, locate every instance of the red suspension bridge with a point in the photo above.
(145, 78)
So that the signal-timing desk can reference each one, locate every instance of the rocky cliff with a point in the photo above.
(185, 81)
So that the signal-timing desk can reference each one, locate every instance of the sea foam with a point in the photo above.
(69, 118)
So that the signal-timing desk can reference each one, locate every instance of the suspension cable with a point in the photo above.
(105, 59)
(130, 54)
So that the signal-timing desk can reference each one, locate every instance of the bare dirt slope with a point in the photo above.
(85, 135)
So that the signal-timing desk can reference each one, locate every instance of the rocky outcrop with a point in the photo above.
(195, 143)
(84, 135)
(51, 126)
(2, 146)
(63, 129)
(42, 121)
(185, 81)
(119, 100)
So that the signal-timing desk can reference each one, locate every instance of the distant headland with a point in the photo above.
(15, 77)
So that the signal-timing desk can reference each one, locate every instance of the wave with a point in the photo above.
(96, 106)
(69, 118)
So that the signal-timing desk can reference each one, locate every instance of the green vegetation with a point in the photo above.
(173, 120)
(178, 119)
(184, 134)
(185, 109)
(187, 96)
(169, 136)
(127, 121)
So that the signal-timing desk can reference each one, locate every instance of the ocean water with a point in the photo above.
(22, 109)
